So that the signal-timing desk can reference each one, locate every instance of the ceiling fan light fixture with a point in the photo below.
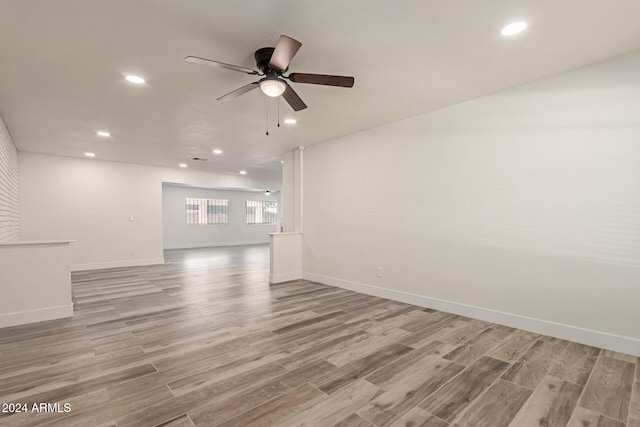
(272, 87)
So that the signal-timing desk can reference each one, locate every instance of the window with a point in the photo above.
(262, 212)
(207, 211)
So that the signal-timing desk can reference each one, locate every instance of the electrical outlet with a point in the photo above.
(378, 271)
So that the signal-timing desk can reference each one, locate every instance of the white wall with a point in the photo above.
(522, 207)
(35, 282)
(91, 201)
(285, 261)
(9, 213)
(177, 234)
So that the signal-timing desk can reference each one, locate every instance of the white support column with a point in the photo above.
(287, 195)
(298, 188)
(286, 247)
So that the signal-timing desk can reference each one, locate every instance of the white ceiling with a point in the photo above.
(62, 65)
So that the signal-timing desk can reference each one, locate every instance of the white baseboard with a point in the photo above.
(572, 333)
(284, 277)
(32, 316)
(214, 245)
(117, 264)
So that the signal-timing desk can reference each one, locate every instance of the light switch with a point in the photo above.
(131, 217)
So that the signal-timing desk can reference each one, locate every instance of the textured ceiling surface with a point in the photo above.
(63, 62)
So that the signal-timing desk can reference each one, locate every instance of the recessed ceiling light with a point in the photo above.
(290, 121)
(103, 133)
(243, 172)
(90, 154)
(135, 79)
(514, 28)
(217, 151)
(183, 165)
(282, 162)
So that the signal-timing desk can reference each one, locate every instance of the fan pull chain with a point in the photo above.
(267, 108)
(278, 111)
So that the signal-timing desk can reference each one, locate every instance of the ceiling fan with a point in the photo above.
(273, 62)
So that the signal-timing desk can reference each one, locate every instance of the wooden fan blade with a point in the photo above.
(285, 50)
(293, 99)
(236, 93)
(213, 63)
(322, 79)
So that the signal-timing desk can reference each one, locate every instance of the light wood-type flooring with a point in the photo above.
(203, 340)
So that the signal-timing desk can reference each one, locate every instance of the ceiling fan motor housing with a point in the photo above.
(263, 57)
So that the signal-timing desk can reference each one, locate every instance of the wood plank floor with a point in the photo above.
(203, 340)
